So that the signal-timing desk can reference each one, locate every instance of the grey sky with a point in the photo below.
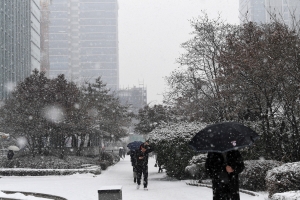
(150, 34)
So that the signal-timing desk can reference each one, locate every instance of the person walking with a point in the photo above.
(142, 156)
(124, 152)
(10, 154)
(132, 155)
(158, 163)
(121, 153)
(223, 169)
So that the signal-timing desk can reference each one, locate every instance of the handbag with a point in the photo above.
(155, 165)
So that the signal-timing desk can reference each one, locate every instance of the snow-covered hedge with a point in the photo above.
(196, 167)
(292, 195)
(48, 172)
(254, 174)
(171, 144)
(283, 178)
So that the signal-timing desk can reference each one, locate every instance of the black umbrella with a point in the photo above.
(223, 137)
(134, 145)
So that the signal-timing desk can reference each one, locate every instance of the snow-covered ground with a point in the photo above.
(86, 186)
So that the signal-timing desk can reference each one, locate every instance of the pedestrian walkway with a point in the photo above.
(86, 186)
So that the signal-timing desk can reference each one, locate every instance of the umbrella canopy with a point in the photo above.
(223, 137)
(134, 145)
(13, 148)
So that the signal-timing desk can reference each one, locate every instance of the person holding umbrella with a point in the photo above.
(224, 162)
(131, 152)
(142, 155)
(223, 169)
(133, 147)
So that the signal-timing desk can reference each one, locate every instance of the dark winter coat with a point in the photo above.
(225, 185)
(143, 162)
(121, 153)
(132, 155)
(10, 154)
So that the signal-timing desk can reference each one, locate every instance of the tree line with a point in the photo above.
(48, 112)
(247, 73)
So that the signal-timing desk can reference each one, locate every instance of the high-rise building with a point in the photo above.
(265, 11)
(83, 40)
(19, 42)
(287, 11)
(252, 10)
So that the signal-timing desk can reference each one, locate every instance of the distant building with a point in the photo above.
(19, 42)
(45, 22)
(135, 98)
(83, 40)
(287, 11)
(264, 11)
(252, 10)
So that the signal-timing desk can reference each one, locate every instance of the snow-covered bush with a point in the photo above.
(104, 164)
(109, 158)
(254, 174)
(196, 167)
(283, 178)
(48, 172)
(171, 144)
(292, 195)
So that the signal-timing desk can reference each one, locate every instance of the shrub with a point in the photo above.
(283, 178)
(196, 168)
(171, 145)
(104, 164)
(254, 174)
(292, 195)
(109, 158)
(47, 172)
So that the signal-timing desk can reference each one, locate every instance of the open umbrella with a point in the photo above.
(13, 148)
(134, 145)
(223, 137)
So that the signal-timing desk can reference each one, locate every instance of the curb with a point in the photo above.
(209, 186)
(32, 194)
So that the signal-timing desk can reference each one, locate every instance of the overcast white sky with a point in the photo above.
(150, 34)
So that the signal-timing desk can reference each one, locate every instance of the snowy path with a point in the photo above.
(86, 186)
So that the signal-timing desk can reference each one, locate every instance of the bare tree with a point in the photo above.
(193, 88)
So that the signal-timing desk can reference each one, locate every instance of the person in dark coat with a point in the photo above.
(133, 163)
(223, 169)
(124, 152)
(142, 156)
(121, 152)
(158, 163)
(10, 154)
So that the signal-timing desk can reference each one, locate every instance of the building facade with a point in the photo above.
(83, 40)
(252, 10)
(19, 42)
(135, 98)
(266, 11)
(287, 11)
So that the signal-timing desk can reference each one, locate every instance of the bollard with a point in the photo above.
(110, 192)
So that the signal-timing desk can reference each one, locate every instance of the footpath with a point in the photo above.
(86, 186)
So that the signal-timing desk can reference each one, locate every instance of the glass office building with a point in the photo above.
(252, 10)
(83, 40)
(19, 42)
(265, 11)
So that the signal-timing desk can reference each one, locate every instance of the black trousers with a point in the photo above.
(223, 191)
(142, 170)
